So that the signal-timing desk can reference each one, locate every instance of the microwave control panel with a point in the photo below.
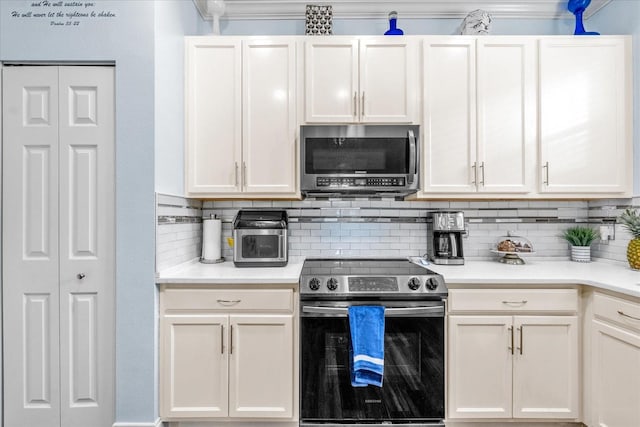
(341, 182)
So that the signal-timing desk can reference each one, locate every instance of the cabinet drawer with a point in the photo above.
(617, 310)
(513, 300)
(228, 300)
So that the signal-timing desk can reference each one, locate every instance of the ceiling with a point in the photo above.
(354, 9)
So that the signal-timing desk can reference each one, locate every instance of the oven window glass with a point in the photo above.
(413, 382)
(260, 246)
(353, 155)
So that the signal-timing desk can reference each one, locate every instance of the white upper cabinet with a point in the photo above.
(213, 115)
(241, 117)
(361, 80)
(269, 117)
(480, 115)
(506, 112)
(585, 115)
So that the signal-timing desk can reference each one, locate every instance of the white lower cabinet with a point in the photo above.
(507, 365)
(615, 363)
(227, 354)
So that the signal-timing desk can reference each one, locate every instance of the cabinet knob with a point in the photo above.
(81, 276)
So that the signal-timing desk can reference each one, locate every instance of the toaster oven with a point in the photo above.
(260, 238)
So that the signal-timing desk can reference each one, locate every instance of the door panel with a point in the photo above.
(331, 85)
(615, 369)
(584, 108)
(506, 115)
(195, 359)
(37, 338)
(214, 112)
(450, 115)
(30, 246)
(269, 127)
(260, 374)
(83, 375)
(87, 251)
(58, 245)
(480, 374)
(545, 373)
(388, 80)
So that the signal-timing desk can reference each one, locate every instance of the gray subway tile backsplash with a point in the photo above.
(386, 227)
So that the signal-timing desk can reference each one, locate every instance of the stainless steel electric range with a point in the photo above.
(412, 393)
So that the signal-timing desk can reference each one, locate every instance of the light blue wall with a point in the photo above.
(128, 40)
(174, 20)
(409, 26)
(623, 17)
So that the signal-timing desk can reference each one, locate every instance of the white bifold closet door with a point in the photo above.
(58, 236)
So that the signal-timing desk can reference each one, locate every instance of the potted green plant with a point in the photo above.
(580, 238)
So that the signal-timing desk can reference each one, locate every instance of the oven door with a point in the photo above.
(413, 384)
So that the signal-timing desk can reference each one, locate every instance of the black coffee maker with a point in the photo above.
(444, 240)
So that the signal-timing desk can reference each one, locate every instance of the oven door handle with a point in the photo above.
(388, 312)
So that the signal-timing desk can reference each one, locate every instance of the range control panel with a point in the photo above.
(339, 182)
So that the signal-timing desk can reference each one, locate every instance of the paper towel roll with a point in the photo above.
(211, 240)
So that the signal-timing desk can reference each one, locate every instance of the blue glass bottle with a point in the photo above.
(393, 31)
(577, 7)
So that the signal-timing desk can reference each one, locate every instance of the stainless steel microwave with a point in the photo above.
(359, 159)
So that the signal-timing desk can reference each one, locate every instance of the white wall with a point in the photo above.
(126, 39)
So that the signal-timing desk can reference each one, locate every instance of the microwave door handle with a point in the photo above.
(280, 246)
(412, 152)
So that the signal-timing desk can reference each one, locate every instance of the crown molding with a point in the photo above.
(420, 9)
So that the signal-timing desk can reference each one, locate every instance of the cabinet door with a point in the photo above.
(585, 135)
(269, 122)
(261, 366)
(480, 362)
(194, 367)
(449, 155)
(388, 80)
(506, 114)
(545, 374)
(331, 85)
(214, 115)
(615, 394)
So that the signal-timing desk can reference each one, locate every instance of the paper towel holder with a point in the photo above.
(203, 260)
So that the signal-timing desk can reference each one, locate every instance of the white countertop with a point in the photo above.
(195, 272)
(616, 277)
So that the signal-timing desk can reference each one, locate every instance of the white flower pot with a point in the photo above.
(581, 253)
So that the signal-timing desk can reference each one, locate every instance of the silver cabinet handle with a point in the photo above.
(236, 175)
(244, 174)
(228, 302)
(355, 104)
(546, 174)
(622, 313)
(81, 276)
(523, 302)
(511, 333)
(362, 109)
(475, 173)
(521, 332)
(230, 339)
(221, 339)
(482, 174)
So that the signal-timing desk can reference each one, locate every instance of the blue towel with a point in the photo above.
(366, 323)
